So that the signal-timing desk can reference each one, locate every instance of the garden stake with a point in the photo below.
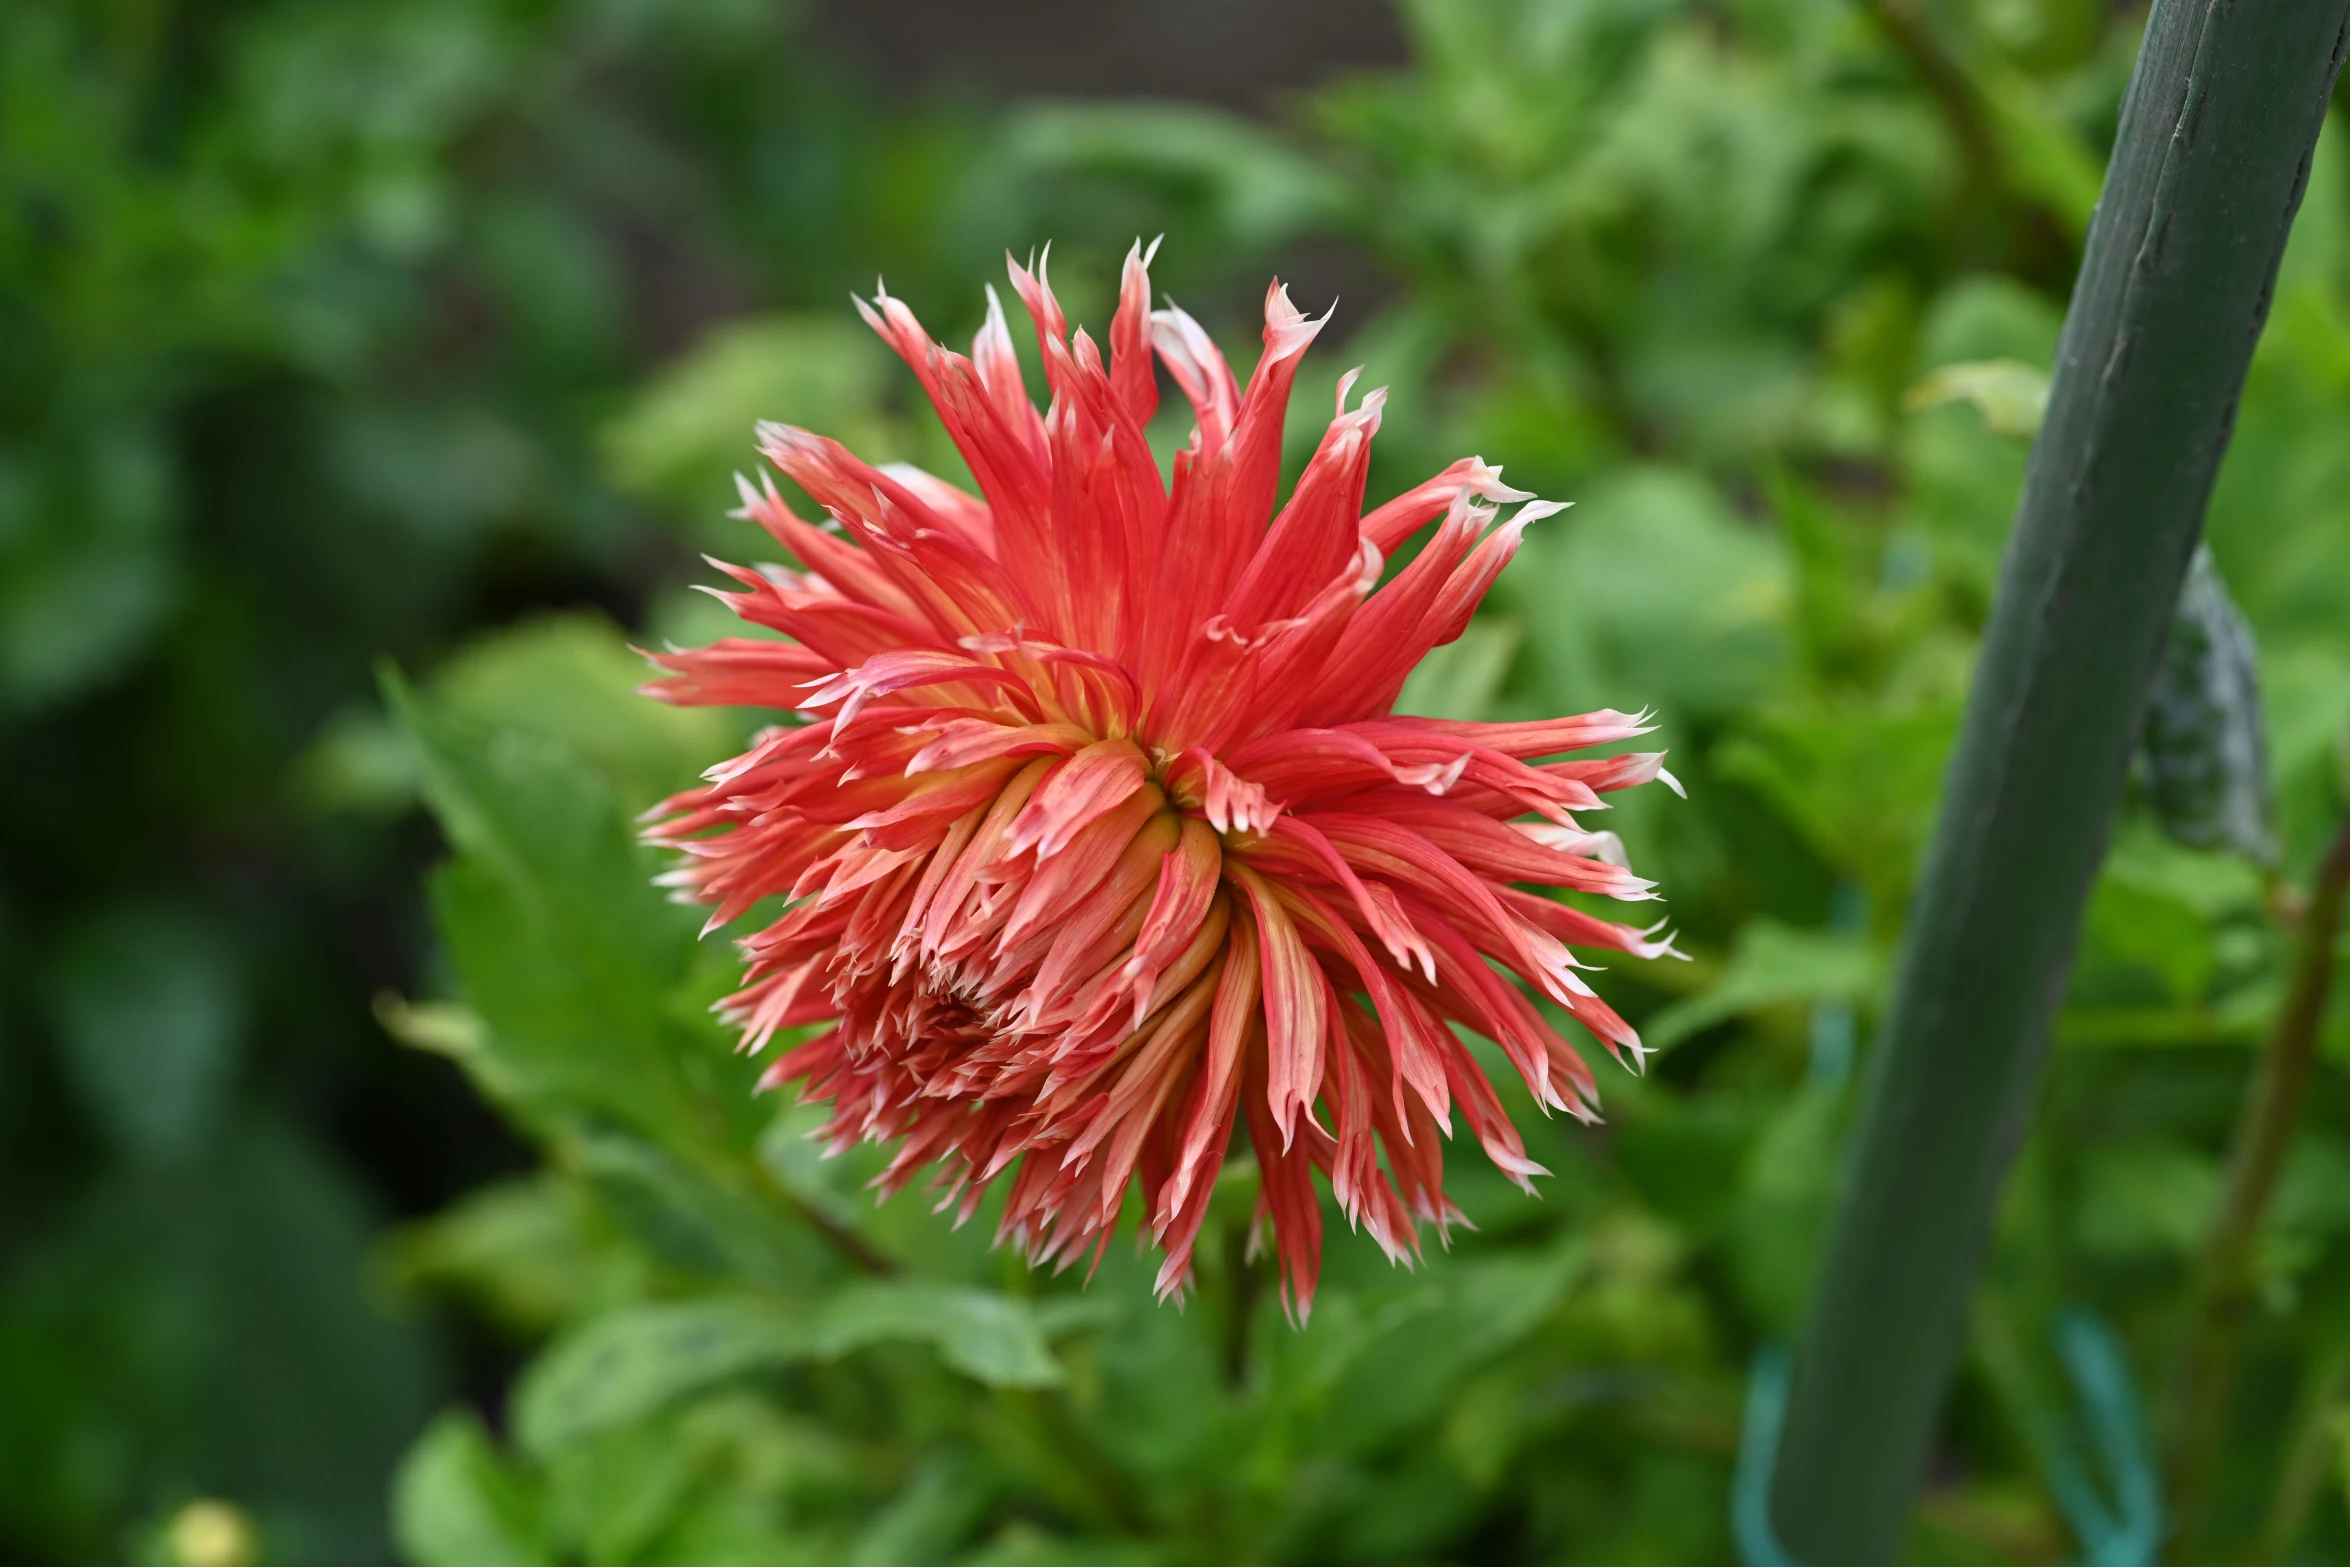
(2212, 154)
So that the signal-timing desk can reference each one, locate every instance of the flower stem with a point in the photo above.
(2205, 1373)
(1245, 1278)
(2208, 169)
(845, 1243)
(2308, 1455)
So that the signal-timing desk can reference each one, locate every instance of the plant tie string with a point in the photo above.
(2097, 1462)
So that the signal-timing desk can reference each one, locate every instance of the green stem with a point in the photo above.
(2208, 169)
(2302, 1477)
(1245, 1279)
(2205, 1374)
(1904, 26)
(2038, 240)
(847, 1244)
(1039, 1434)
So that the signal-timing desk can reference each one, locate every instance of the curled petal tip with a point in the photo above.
(1485, 481)
(1345, 385)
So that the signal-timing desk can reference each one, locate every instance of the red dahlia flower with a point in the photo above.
(1097, 832)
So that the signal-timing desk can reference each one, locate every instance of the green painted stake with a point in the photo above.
(2208, 168)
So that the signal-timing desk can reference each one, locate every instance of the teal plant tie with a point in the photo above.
(1834, 1032)
(1835, 1038)
(2120, 1525)
(1835, 1025)
(2116, 1517)
(1758, 1451)
(2098, 1466)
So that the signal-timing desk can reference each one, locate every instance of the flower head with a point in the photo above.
(1097, 833)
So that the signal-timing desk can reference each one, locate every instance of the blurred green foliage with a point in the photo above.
(433, 330)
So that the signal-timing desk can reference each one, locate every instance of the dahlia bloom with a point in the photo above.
(1096, 834)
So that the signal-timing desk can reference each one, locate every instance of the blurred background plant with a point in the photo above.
(428, 333)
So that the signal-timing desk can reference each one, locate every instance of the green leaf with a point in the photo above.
(1987, 317)
(1652, 592)
(1859, 783)
(1256, 189)
(1962, 474)
(441, 1028)
(614, 1494)
(632, 1362)
(989, 1337)
(358, 763)
(1461, 678)
(150, 1018)
(568, 679)
(1398, 1365)
(2045, 157)
(695, 422)
(88, 569)
(456, 1502)
(793, 1152)
(2133, 925)
(725, 1480)
(925, 1520)
(1788, 1185)
(2011, 395)
(697, 1211)
(2145, 1197)
(2308, 692)
(1774, 965)
(636, 1361)
(572, 680)
(1026, 1547)
(568, 953)
(2311, 1214)
(528, 1253)
(572, 1023)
